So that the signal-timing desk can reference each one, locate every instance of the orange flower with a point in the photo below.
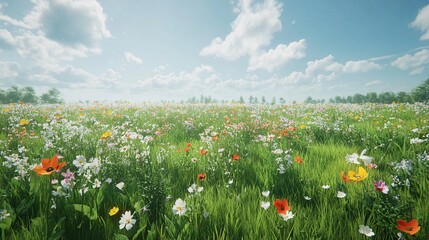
(235, 157)
(215, 138)
(189, 145)
(345, 178)
(298, 159)
(186, 150)
(282, 206)
(49, 166)
(411, 227)
(203, 151)
(201, 176)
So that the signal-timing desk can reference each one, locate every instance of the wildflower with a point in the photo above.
(341, 194)
(120, 185)
(265, 193)
(23, 122)
(179, 207)
(277, 151)
(113, 211)
(79, 161)
(288, 215)
(381, 186)
(282, 206)
(49, 166)
(366, 159)
(352, 158)
(205, 214)
(307, 198)
(358, 176)
(126, 221)
(220, 150)
(345, 178)
(6, 110)
(411, 227)
(96, 183)
(298, 159)
(326, 187)
(106, 135)
(235, 157)
(365, 230)
(4, 214)
(203, 152)
(265, 205)
(201, 176)
(194, 160)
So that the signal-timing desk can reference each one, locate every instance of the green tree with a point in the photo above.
(421, 92)
(13, 94)
(52, 96)
(372, 97)
(29, 95)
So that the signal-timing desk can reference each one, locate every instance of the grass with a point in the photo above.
(154, 150)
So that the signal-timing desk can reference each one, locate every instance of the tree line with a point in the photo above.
(15, 94)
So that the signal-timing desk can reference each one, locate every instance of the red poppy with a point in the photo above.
(411, 227)
(298, 159)
(186, 150)
(345, 178)
(201, 176)
(49, 166)
(203, 152)
(189, 145)
(235, 157)
(215, 138)
(282, 206)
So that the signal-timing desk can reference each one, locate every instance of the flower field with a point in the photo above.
(189, 171)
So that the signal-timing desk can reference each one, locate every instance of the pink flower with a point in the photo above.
(380, 186)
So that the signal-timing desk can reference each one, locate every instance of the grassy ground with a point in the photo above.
(155, 151)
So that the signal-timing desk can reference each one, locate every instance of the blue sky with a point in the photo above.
(171, 50)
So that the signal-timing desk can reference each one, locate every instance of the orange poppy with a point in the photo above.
(282, 206)
(298, 159)
(203, 152)
(49, 166)
(345, 178)
(186, 150)
(201, 176)
(215, 138)
(411, 227)
(235, 157)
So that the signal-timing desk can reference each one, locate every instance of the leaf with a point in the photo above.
(139, 231)
(6, 223)
(91, 213)
(120, 237)
(23, 206)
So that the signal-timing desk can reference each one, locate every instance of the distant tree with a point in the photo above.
(403, 97)
(421, 92)
(241, 100)
(273, 101)
(52, 96)
(349, 99)
(358, 98)
(255, 100)
(2, 96)
(308, 100)
(282, 101)
(263, 100)
(29, 95)
(251, 99)
(372, 97)
(13, 94)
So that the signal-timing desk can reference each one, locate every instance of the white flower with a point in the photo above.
(307, 198)
(326, 187)
(79, 161)
(4, 214)
(120, 185)
(288, 215)
(200, 189)
(341, 194)
(192, 188)
(205, 214)
(265, 193)
(109, 180)
(366, 159)
(265, 205)
(126, 221)
(179, 207)
(277, 151)
(220, 150)
(365, 230)
(353, 158)
(96, 184)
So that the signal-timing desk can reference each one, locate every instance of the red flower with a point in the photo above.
(235, 157)
(203, 152)
(411, 227)
(49, 166)
(298, 159)
(282, 206)
(201, 176)
(186, 150)
(345, 178)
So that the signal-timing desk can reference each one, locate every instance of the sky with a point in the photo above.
(153, 50)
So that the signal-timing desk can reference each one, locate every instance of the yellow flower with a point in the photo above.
(6, 110)
(113, 211)
(358, 176)
(302, 126)
(106, 135)
(23, 122)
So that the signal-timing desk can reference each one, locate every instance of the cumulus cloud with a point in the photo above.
(7, 41)
(9, 69)
(132, 58)
(415, 63)
(422, 22)
(278, 56)
(373, 83)
(202, 75)
(251, 31)
(360, 66)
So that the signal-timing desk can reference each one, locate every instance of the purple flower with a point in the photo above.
(380, 186)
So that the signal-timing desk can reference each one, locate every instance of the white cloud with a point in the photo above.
(373, 83)
(422, 22)
(252, 30)
(7, 41)
(132, 58)
(360, 66)
(9, 69)
(326, 69)
(202, 75)
(278, 56)
(416, 63)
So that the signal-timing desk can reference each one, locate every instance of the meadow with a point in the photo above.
(214, 171)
